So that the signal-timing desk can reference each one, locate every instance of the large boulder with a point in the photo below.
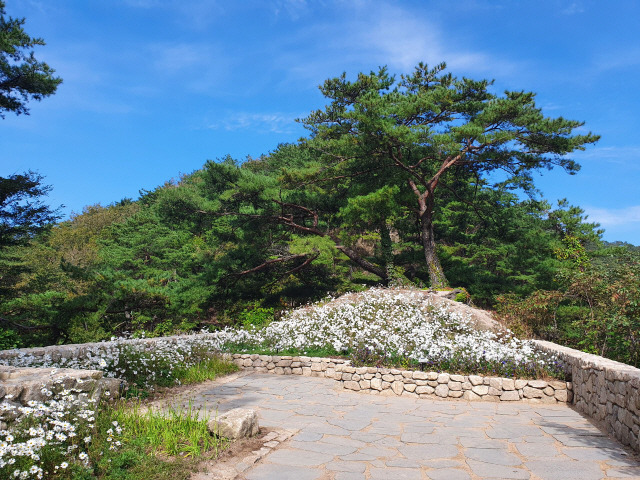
(236, 423)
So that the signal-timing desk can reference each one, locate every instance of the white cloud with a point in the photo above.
(198, 67)
(614, 60)
(573, 8)
(371, 35)
(259, 122)
(403, 39)
(629, 155)
(178, 57)
(293, 8)
(613, 217)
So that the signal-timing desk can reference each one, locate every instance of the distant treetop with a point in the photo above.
(22, 77)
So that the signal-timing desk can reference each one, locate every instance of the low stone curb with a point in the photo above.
(385, 381)
(271, 440)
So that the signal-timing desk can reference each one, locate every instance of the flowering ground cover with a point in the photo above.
(378, 327)
(144, 367)
(400, 328)
(68, 438)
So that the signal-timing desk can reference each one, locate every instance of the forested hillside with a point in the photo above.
(423, 180)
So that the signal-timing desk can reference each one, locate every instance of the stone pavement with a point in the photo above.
(335, 434)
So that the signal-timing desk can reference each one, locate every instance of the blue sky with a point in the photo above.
(154, 88)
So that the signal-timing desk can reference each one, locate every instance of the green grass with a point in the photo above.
(159, 445)
(163, 446)
(207, 369)
(176, 432)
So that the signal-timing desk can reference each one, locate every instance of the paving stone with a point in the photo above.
(493, 456)
(267, 471)
(490, 470)
(424, 453)
(482, 442)
(447, 463)
(412, 437)
(624, 472)
(349, 424)
(433, 439)
(593, 453)
(341, 466)
(586, 441)
(378, 452)
(552, 469)
(299, 458)
(307, 436)
(574, 430)
(537, 450)
(395, 473)
(420, 427)
(402, 463)
(512, 432)
(322, 447)
(349, 441)
(349, 476)
(358, 457)
(447, 439)
(389, 442)
(448, 474)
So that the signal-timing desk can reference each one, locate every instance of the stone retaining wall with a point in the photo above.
(77, 350)
(385, 381)
(19, 386)
(605, 390)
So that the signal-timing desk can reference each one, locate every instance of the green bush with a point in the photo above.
(256, 317)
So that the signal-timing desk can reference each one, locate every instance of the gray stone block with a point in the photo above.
(236, 423)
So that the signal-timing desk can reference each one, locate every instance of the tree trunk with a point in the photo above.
(437, 278)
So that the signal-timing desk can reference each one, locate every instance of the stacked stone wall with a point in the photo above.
(386, 381)
(20, 386)
(79, 350)
(605, 390)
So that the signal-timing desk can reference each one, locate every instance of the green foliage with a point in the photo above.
(398, 140)
(22, 77)
(9, 339)
(392, 187)
(154, 444)
(595, 308)
(206, 369)
(22, 212)
(463, 296)
(256, 317)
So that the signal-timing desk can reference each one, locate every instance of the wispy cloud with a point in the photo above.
(194, 14)
(402, 39)
(258, 122)
(292, 8)
(573, 8)
(614, 60)
(613, 217)
(386, 34)
(628, 155)
(198, 67)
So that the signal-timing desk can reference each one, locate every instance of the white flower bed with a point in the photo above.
(390, 322)
(396, 323)
(48, 436)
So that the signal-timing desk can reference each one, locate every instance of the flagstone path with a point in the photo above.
(335, 434)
